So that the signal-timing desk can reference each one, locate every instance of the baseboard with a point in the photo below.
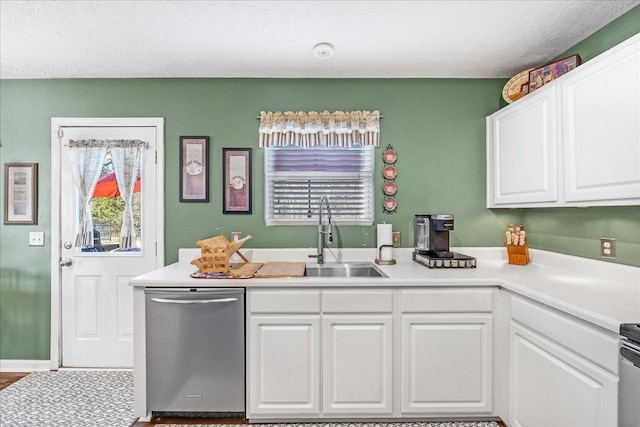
(11, 365)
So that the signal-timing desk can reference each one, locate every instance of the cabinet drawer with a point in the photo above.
(284, 302)
(357, 301)
(570, 333)
(447, 301)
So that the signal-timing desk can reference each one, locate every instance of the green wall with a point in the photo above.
(577, 231)
(436, 126)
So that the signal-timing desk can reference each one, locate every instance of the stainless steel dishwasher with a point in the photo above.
(629, 385)
(195, 350)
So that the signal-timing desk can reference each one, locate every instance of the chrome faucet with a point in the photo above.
(322, 231)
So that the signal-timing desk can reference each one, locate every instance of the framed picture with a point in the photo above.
(540, 76)
(236, 169)
(21, 193)
(194, 169)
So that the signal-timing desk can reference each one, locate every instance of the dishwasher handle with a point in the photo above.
(193, 301)
(631, 355)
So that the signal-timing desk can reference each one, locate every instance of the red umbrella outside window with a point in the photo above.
(108, 187)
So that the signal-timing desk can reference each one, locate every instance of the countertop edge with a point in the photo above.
(491, 272)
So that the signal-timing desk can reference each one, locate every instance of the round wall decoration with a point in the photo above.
(516, 87)
(389, 187)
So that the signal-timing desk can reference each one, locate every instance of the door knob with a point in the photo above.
(66, 262)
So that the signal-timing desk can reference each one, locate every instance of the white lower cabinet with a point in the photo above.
(552, 385)
(369, 353)
(284, 365)
(283, 353)
(291, 341)
(357, 365)
(447, 347)
(446, 363)
(426, 352)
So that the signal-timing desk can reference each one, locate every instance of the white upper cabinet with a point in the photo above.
(522, 151)
(574, 142)
(601, 127)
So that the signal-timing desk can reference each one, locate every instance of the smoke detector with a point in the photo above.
(323, 50)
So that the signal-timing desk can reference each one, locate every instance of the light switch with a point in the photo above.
(36, 238)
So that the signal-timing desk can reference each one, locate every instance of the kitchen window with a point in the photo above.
(312, 154)
(296, 178)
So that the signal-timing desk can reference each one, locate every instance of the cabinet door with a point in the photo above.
(357, 365)
(550, 386)
(446, 363)
(522, 152)
(601, 121)
(284, 365)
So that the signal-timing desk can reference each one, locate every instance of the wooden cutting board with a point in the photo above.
(245, 270)
(281, 269)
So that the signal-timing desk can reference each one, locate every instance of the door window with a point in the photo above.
(107, 210)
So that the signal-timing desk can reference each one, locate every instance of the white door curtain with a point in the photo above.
(125, 157)
(87, 159)
(86, 163)
(340, 129)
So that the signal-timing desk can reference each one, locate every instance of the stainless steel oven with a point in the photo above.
(629, 385)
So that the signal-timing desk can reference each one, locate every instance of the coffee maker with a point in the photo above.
(431, 234)
(431, 242)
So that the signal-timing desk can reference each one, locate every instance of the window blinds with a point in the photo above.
(296, 178)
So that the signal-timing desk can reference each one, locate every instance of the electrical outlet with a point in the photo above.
(36, 238)
(236, 235)
(395, 239)
(607, 247)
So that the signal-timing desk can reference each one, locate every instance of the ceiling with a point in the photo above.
(387, 39)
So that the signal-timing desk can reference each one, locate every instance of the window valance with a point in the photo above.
(340, 128)
(107, 143)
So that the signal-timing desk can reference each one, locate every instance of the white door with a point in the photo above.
(95, 300)
(357, 365)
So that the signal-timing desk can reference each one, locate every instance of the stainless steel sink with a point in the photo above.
(350, 269)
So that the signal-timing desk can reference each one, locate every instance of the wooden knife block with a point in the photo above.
(518, 255)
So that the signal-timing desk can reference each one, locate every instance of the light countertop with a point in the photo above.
(599, 292)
